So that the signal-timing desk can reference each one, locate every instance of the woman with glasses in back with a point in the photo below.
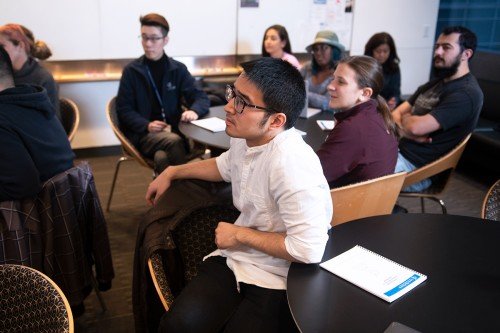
(24, 53)
(381, 47)
(326, 52)
(276, 44)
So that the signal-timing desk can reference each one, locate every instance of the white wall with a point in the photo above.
(91, 98)
(107, 29)
(411, 23)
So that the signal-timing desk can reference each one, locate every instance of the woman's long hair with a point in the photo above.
(369, 75)
(283, 36)
(392, 63)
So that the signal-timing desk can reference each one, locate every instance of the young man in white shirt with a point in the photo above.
(285, 204)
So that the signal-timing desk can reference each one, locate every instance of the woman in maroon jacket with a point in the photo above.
(363, 144)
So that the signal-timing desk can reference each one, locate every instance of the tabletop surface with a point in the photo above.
(315, 135)
(460, 256)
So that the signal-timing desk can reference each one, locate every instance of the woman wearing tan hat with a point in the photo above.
(326, 52)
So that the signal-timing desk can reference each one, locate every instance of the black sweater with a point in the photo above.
(33, 144)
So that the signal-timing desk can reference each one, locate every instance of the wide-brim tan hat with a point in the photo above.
(326, 37)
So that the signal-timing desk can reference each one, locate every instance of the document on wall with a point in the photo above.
(213, 124)
(326, 125)
(374, 273)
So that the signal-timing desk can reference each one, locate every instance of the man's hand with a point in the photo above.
(158, 187)
(189, 115)
(156, 126)
(225, 235)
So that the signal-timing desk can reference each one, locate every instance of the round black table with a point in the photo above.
(460, 256)
(315, 135)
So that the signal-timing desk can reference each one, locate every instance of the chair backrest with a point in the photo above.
(491, 203)
(31, 302)
(160, 281)
(442, 168)
(70, 116)
(127, 146)
(369, 198)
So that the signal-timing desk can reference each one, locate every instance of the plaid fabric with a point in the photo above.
(61, 232)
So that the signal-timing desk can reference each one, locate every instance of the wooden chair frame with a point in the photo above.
(440, 170)
(129, 152)
(488, 202)
(60, 293)
(76, 114)
(369, 198)
(157, 273)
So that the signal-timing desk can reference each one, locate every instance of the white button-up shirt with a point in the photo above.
(277, 187)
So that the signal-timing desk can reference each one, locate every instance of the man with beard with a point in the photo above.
(442, 112)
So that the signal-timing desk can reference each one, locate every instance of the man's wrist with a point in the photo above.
(241, 234)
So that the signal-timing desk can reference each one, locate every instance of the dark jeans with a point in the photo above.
(211, 303)
(165, 148)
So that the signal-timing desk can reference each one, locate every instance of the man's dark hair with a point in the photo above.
(467, 38)
(281, 84)
(6, 71)
(155, 20)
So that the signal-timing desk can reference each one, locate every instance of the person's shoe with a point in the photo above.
(399, 209)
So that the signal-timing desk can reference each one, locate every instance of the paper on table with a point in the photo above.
(374, 273)
(326, 125)
(213, 124)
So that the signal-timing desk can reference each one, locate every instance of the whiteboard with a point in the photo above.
(301, 18)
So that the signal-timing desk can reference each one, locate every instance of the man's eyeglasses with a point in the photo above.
(153, 39)
(239, 103)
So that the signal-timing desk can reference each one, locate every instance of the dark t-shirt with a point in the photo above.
(455, 105)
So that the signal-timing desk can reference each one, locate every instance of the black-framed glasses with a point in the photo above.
(239, 103)
(153, 39)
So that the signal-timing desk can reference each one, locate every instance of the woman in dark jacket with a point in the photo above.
(381, 47)
(24, 53)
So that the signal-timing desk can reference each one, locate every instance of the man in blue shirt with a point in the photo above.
(152, 92)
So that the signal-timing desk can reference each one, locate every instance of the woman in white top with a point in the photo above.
(276, 44)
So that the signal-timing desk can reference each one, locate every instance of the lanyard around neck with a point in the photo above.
(157, 93)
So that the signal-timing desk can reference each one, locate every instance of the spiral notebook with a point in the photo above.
(374, 273)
